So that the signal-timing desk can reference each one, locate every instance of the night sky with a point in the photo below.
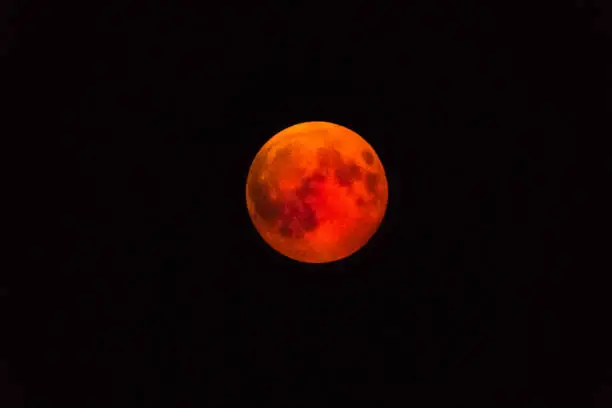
(146, 284)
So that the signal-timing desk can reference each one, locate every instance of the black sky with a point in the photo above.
(152, 288)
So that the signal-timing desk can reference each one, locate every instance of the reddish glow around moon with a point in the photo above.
(316, 192)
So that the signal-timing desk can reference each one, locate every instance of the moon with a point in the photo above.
(316, 192)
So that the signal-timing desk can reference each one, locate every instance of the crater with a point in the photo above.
(368, 157)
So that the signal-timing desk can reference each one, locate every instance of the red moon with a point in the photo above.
(316, 192)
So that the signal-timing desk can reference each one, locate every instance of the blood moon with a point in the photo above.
(316, 192)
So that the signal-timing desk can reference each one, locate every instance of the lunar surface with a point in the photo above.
(316, 192)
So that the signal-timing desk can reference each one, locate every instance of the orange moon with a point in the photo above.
(316, 192)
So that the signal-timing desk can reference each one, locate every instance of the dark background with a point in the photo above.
(145, 283)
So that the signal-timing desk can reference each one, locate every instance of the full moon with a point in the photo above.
(316, 192)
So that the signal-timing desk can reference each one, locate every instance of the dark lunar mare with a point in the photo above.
(296, 216)
(297, 219)
(348, 174)
(268, 209)
(371, 181)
